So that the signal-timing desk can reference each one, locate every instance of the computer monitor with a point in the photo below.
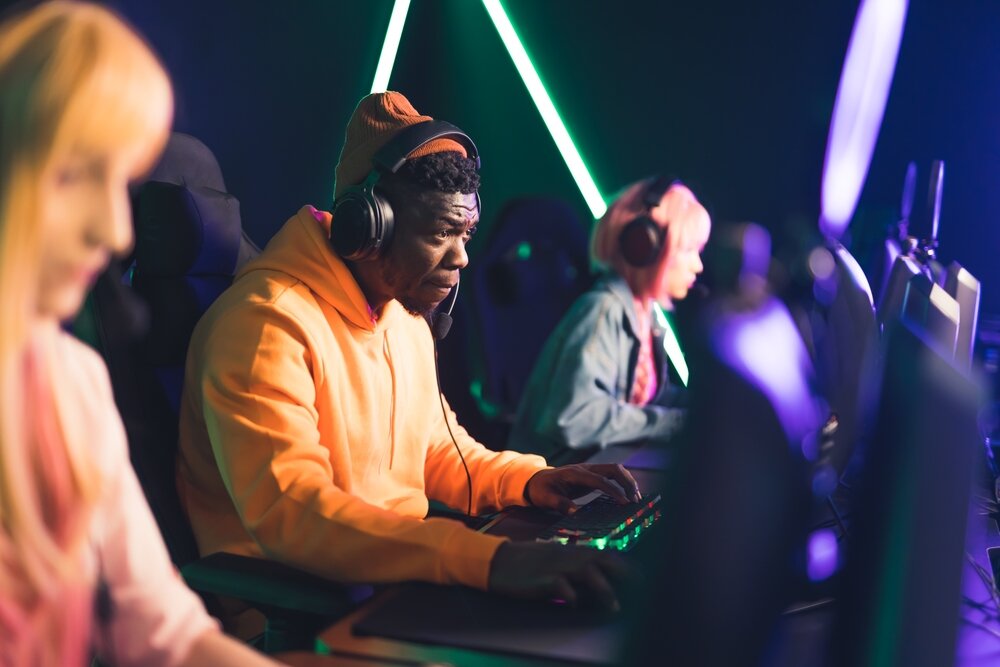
(737, 500)
(965, 289)
(891, 299)
(932, 311)
(845, 337)
(900, 587)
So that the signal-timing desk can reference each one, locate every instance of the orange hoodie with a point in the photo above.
(312, 434)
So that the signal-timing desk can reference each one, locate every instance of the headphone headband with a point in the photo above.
(656, 190)
(363, 218)
(391, 157)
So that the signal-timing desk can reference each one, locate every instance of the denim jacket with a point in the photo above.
(577, 395)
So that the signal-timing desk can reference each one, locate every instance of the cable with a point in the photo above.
(444, 414)
(979, 606)
(980, 626)
(987, 579)
(837, 517)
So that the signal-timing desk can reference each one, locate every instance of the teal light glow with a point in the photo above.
(489, 409)
(390, 46)
(579, 171)
(672, 346)
(524, 250)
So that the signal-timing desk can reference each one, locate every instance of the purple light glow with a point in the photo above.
(858, 110)
(857, 273)
(765, 348)
(823, 553)
(756, 253)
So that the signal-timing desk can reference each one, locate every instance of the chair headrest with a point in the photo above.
(538, 217)
(187, 161)
(186, 230)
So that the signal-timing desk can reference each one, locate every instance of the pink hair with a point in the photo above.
(59, 610)
(84, 80)
(678, 212)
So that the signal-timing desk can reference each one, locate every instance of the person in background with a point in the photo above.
(84, 108)
(602, 376)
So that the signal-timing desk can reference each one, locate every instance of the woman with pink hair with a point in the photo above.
(84, 107)
(602, 377)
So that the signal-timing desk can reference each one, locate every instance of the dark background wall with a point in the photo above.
(735, 97)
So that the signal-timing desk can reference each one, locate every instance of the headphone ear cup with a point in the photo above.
(641, 241)
(362, 224)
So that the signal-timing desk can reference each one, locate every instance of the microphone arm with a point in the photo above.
(441, 322)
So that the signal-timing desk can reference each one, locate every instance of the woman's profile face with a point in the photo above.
(85, 217)
(682, 269)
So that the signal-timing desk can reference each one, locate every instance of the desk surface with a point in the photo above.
(340, 641)
(581, 636)
(978, 641)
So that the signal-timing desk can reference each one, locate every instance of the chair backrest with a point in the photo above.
(189, 244)
(535, 264)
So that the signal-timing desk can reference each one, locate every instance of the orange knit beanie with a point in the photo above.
(376, 119)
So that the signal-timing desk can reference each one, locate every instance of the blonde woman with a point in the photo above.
(84, 108)
(601, 377)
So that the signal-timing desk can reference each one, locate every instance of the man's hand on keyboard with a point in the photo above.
(555, 488)
(576, 575)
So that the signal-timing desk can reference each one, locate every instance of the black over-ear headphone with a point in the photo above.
(363, 219)
(641, 240)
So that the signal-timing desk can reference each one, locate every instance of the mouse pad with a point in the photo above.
(470, 619)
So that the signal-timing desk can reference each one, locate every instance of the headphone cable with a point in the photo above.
(444, 414)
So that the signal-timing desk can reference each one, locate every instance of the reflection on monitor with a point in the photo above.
(737, 501)
(901, 584)
(965, 289)
(891, 300)
(929, 310)
(845, 336)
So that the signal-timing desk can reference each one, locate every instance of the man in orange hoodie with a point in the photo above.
(311, 428)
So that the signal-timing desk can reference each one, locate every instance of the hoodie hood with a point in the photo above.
(301, 249)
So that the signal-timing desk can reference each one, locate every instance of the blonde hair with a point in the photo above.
(678, 212)
(73, 76)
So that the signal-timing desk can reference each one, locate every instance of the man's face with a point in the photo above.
(428, 247)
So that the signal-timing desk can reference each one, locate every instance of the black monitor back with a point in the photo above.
(737, 502)
(901, 584)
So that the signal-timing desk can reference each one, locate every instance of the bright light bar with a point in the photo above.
(390, 46)
(858, 109)
(557, 129)
(672, 346)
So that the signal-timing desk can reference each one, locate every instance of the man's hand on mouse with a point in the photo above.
(546, 571)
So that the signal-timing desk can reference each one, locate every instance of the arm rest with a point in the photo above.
(271, 586)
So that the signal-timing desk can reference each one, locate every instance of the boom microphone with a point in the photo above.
(441, 322)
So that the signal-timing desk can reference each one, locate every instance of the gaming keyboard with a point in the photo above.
(604, 524)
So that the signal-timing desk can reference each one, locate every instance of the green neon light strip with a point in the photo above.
(390, 46)
(672, 346)
(557, 129)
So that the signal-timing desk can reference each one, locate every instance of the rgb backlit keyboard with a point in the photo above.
(604, 524)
